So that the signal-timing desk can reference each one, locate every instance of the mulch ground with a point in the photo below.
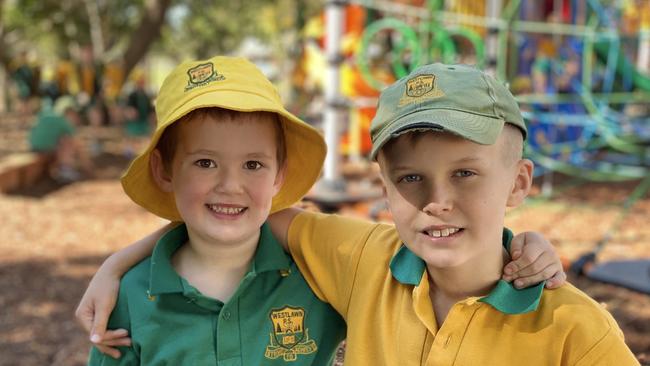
(54, 237)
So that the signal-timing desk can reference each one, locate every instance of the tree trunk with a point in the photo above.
(4, 57)
(4, 64)
(149, 30)
(95, 29)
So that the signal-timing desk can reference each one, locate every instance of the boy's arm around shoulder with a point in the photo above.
(534, 259)
(99, 299)
(326, 249)
(280, 222)
(120, 352)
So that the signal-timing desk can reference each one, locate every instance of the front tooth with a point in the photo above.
(436, 233)
(444, 232)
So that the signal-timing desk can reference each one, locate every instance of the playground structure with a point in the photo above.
(579, 69)
(593, 127)
(585, 130)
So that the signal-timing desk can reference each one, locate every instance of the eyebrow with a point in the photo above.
(464, 160)
(256, 154)
(202, 152)
(468, 159)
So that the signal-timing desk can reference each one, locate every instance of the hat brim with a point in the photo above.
(478, 128)
(305, 153)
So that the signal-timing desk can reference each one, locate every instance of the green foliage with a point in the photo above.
(60, 24)
(208, 27)
(193, 28)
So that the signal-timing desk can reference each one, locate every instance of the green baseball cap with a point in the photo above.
(453, 98)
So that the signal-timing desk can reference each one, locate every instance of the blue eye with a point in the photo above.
(253, 165)
(205, 163)
(463, 173)
(410, 178)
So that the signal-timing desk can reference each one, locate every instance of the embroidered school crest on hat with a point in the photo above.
(419, 88)
(201, 75)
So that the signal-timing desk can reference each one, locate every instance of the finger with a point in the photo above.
(527, 281)
(517, 245)
(115, 334)
(543, 262)
(110, 351)
(557, 281)
(84, 316)
(123, 341)
(528, 257)
(534, 260)
(99, 325)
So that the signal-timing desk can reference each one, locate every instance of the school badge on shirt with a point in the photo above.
(289, 337)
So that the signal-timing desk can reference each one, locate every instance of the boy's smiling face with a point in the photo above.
(448, 195)
(224, 175)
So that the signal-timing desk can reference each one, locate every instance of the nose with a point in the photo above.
(228, 181)
(438, 202)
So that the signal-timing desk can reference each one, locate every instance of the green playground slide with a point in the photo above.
(641, 80)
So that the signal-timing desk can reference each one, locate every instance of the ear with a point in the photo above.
(522, 183)
(160, 175)
(279, 178)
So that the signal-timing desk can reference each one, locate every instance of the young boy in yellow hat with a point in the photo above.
(219, 289)
(336, 275)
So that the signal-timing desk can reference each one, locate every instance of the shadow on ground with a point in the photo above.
(38, 299)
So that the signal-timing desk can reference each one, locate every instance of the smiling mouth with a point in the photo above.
(227, 210)
(442, 233)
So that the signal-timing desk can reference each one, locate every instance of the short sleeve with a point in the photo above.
(327, 250)
(609, 350)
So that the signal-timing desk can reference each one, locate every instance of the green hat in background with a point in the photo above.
(452, 98)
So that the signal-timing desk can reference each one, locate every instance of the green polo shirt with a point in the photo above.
(48, 130)
(273, 318)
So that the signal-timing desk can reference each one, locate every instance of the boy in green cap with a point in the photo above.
(219, 289)
(379, 286)
(428, 291)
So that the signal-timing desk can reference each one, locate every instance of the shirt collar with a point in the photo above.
(164, 278)
(270, 255)
(407, 268)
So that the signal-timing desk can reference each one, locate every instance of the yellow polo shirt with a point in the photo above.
(381, 290)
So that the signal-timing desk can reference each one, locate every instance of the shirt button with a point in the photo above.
(226, 314)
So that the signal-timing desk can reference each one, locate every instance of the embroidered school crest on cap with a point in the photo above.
(289, 337)
(202, 74)
(419, 88)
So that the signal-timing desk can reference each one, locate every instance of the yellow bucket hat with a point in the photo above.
(229, 83)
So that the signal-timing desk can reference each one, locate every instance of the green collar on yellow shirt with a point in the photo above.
(408, 268)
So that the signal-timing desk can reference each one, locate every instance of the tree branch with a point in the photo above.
(149, 30)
